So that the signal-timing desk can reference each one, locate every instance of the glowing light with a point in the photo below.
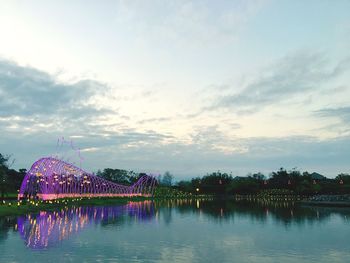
(46, 229)
(88, 186)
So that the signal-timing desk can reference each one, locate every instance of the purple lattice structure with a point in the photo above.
(50, 178)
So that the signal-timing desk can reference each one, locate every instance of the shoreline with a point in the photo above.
(325, 203)
(17, 208)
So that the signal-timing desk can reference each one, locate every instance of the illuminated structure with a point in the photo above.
(50, 178)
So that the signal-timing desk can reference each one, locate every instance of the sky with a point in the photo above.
(189, 87)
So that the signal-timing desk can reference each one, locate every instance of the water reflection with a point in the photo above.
(286, 213)
(46, 229)
(7, 224)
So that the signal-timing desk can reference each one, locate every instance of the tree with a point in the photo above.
(185, 186)
(279, 179)
(258, 176)
(244, 185)
(214, 183)
(119, 176)
(343, 177)
(3, 173)
(115, 175)
(167, 179)
(133, 177)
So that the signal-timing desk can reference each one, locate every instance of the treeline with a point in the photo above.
(215, 183)
(10, 179)
(294, 181)
(119, 176)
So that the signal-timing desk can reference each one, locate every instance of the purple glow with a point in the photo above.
(46, 229)
(51, 178)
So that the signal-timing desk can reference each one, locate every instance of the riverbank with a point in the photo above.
(315, 200)
(325, 203)
(25, 207)
(328, 200)
(14, 207)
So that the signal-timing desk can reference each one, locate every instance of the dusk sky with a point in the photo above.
(189, 87)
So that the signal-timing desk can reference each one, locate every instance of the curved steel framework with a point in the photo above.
(51, 178)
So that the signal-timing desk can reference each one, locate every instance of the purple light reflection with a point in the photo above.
(47, 229)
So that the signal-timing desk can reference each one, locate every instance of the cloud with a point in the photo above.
(209, 150)
(26, 91)
(186, 22)
(342, 113)
(298, 74)
(162, 119)
(91, 149)
(34, 101)
(252, 154)
(36, 110)
(36, 107)
(211, 138)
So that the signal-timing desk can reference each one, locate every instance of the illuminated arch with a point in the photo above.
(51, 178)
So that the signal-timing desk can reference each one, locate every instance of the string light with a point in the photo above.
(52, 184)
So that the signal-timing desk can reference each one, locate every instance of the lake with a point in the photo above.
(179, 231)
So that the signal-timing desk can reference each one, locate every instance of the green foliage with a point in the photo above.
(274, 192)
(10, 179)
(119, 176)
(292, 181)
(248, 185)
(344, 177)
(3, 174)
(168, 192)
(185, 186)
(166, 180)
(215, 183)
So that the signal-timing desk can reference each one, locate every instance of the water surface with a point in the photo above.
(179, 231)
